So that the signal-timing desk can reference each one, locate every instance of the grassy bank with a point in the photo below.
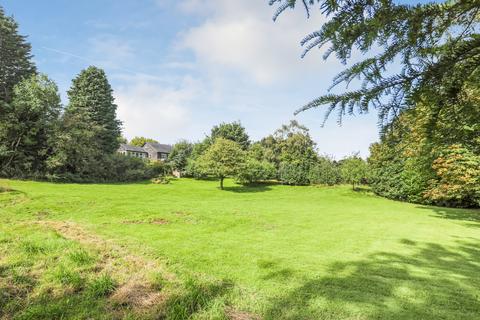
(188, 249)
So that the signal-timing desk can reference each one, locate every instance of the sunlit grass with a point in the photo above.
(188, 249)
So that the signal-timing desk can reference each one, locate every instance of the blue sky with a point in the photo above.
(179, 67)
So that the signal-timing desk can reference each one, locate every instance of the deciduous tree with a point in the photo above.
(222, 159)
(354, 170)
(28, 127)
(231, 131)
(140, 141)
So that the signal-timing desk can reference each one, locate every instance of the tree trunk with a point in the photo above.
(15, 147)
(221, 183)
(353, 185)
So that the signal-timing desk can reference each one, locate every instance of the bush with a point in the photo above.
(458, 178)
(324, 172)
(161, 180)
(114, 168)
(254, 171)
(294, 173)
(178, 158)
(194, 170)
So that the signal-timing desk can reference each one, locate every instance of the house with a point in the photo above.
(132, 151)
(150, 150)
(157, 151)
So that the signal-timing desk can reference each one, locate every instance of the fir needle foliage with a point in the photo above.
(437, 46)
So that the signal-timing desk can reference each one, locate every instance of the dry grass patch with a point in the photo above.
(159, 221)
(233, 314)
(114, 258)
(138, 295)
(135, 289)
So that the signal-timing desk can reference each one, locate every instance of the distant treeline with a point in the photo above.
(429, 153)
(42, 140)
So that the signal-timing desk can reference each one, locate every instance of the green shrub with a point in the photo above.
(195, 170)
(294, 173)
(161, 180)
(325, 171)
(113, 168)
(458, 178)
(254, 171)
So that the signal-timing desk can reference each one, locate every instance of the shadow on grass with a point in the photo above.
(362, 189)
(252, 188)
(434, 282)
(195, 297)
(249, 188)
(468, 215)
(8, 190)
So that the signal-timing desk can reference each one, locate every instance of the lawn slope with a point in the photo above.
(190, 250)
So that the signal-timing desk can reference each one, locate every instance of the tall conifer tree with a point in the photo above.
(91, 98)
(436, 45)
(15, 57)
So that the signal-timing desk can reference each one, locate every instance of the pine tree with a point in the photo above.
(91, 96)
(15, 57)
(436, 44)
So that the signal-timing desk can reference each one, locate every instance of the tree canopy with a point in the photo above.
(16, 58)
(29, 122)
(222, 159)
(231, 131)
(140, 141)
(437, 46)
(354, 170)
(178, 158)
(428, 155)
(91, 95)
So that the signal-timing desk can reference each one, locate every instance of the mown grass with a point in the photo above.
(189, 250)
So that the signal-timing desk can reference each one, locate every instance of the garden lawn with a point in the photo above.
(189, 250)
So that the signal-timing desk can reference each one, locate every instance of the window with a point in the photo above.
(162, 156)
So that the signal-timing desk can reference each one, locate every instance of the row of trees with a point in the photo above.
(420, 70)
(431, 154)
(41, 139)
(289, 155)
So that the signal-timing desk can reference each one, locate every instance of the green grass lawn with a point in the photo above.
(189, 250)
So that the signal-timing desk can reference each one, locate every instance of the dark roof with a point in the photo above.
(128, 147)
(160, 147)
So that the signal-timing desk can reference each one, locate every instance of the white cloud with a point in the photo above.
(246, 67)
(152, 109)
(241, 36)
